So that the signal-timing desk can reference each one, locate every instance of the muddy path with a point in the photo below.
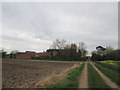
(83, 81)
(105, 78)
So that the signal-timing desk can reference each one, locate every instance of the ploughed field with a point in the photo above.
(26, 73)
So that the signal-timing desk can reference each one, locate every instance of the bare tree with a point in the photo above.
(82, 48)
(73, 50)
(68, 50)
(109, 49)
(67, 46)
(58, 44)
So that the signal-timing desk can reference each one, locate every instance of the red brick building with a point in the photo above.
(41, 54)
(29, 54)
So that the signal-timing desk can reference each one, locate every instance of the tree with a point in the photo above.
(73, 51)
(96, 56)
(70, 51)
(107, 53)
(58, 44)
(101, 50)
(109, 49)
(13, 53)
(82, 49)
(3, 53)
(113, 55)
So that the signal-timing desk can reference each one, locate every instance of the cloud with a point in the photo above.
(33, 26)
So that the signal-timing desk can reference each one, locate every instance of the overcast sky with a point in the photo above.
(34, 26)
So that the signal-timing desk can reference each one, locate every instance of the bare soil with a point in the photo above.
(83, 82)
(24, 73)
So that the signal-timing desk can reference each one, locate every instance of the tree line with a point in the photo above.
(61, 49)
(68, 51)
(12, 54)
(108, 53)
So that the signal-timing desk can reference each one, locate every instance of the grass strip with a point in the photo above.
(113, 75)
(94, 79)
(111, 62)
(110, 66)
(71, 81)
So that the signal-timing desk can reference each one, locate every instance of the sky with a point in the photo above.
(35, 25)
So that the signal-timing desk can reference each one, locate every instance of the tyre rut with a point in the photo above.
(105, 78)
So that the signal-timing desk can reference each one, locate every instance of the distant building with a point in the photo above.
(29, 54)
(41, 54)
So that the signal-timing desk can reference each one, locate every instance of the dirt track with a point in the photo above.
(84, 78)
(83, 81)
(24, 73)
(105, 78)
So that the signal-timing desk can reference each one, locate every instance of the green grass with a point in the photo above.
(71, 81)
(114, 67)
(116, 63)
(113, 75)
(94, 79)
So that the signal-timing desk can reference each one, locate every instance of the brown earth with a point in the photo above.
(83, 81)
(25, 73)
(53, 78)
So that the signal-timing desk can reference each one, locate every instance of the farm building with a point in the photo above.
(29, 54)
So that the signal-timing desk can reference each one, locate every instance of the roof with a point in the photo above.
(41, 53)
(30, 52)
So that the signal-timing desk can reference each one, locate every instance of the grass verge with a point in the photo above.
(113, 75)
(71, 81)
(94, 79)
(111, 62)
(111, 66)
